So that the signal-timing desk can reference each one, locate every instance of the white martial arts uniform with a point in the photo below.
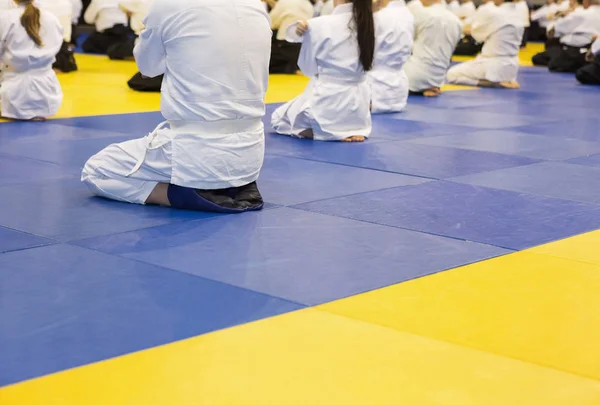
(139, 10)
(318, 7)
(579, 27)
(288, 12)
(105, 14)
(63, 10)
(524, 12)
(335, 105)
(437, 32)
(453, 6)
(216, 70)
(414, 6)
(465, 11)
(501, 31)
(327, 8)
(543, 14)
(29, 87)
(76, 9)
(389, 84)
(480, 12)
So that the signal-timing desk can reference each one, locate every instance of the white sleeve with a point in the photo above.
(291, 36)
(567, 24)
(276, 14)
(77, 6)
(149, 52)
(483, 26)
(540, 13)
(91, 13)
(307, 60)
(596, 47)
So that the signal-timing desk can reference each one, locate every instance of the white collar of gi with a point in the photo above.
(343, 8)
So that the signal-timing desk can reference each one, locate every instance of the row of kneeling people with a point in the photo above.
(572, 44)
(209, 152)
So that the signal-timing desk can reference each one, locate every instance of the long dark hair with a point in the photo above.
(362, 14)
(31, 21)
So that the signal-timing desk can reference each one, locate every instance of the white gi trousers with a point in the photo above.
(197, 155)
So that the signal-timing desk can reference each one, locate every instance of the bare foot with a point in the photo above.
(510, 85)
(354, 139)
(434, 92)
(307, 134)
(159, 196)
(38, 119)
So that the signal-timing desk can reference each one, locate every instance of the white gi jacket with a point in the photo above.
(453, 6)
(105, 14)
(542, 14)
(63, 10)
(414, 6)
(480, 12)
(335, 105)
(523, 8)
(501, 31)
(139, 10)
(465, 10)
(578, 28)
(327, 8)
(437, 32)
(76, 8)
(288, 12)
(29, 85)
(389, 84)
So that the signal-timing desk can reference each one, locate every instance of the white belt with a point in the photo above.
(148, 146)
(38, 71)
(204, 128)
(341, 79)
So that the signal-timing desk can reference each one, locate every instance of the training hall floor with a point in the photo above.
(452, 259)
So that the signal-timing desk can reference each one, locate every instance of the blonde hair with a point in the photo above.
(31, 21)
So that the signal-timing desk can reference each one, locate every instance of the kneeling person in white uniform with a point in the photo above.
(437, 32)
(337, 52)
(394, 31)
(501, 30)
(29, 40)
(209, 153)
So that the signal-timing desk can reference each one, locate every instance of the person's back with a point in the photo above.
(29, 85)
(213, 57)
(337, 51)
(394, 32)
(437, 31)
(500, 30)
(333, 43)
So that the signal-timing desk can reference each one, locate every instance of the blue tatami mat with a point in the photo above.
(300, 256)
(500, 218)
(64, 306)
(15, 240)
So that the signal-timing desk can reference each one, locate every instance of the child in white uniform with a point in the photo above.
(29, 40)
(209, 152)
(501, 31)
(389, 83)
(337, 51)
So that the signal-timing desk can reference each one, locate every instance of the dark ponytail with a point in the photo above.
(362, 13)
(31, 21)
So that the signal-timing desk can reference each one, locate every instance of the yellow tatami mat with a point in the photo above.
(308, 357)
